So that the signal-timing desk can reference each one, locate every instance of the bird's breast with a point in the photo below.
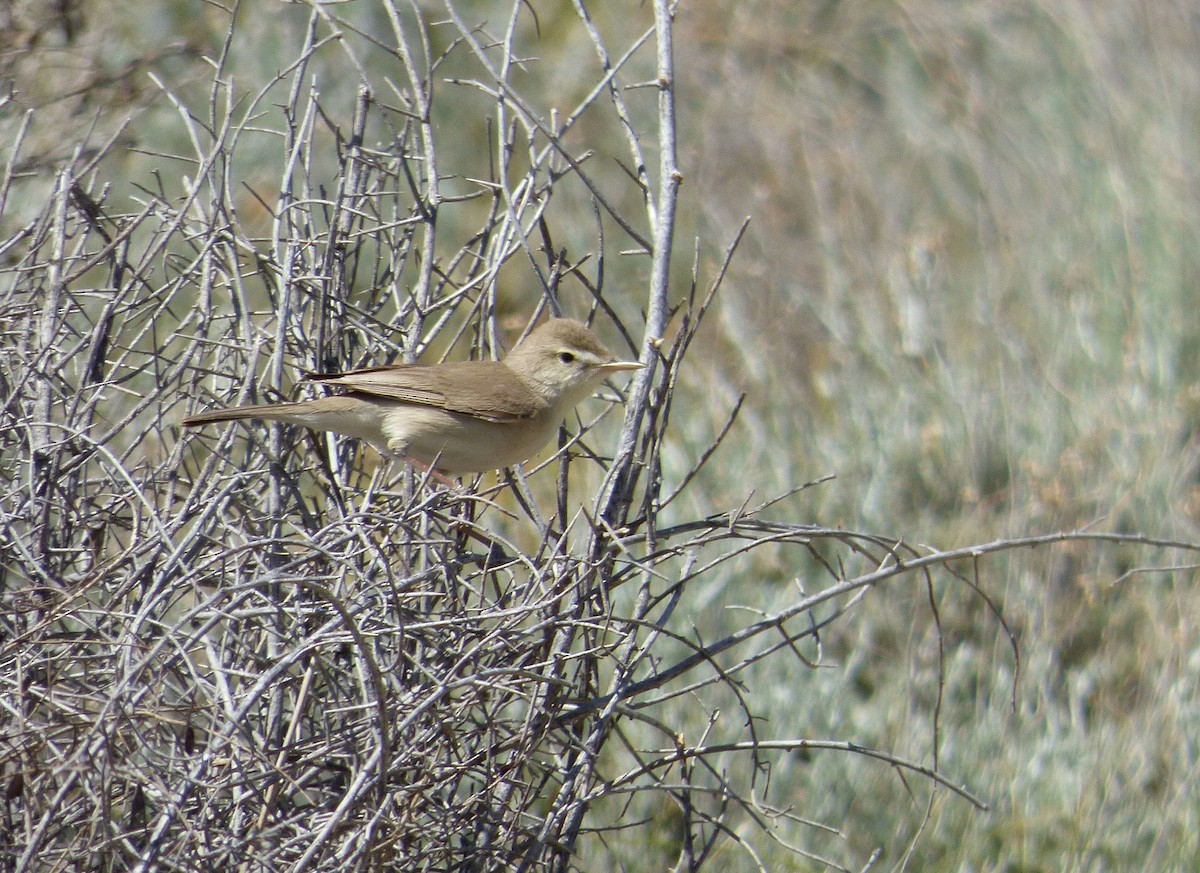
(458, 443)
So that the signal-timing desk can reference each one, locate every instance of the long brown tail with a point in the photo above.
(282, 411)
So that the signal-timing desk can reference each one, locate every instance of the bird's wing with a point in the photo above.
(487, 390)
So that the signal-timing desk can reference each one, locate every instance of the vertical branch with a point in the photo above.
(43, 461)
(565, 820)
(429, 195)
(334, 281)
(51, 315)
(616, 494)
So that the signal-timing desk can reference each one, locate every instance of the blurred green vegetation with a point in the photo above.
(968, 291)
(965, 292)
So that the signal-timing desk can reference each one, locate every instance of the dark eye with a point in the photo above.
(566, 358)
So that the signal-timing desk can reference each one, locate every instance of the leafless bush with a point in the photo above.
(260, 649)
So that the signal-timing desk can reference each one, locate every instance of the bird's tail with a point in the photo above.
(267, 411)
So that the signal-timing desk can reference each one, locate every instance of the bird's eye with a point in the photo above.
(566, 358)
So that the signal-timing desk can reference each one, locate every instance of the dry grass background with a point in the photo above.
(967, 290)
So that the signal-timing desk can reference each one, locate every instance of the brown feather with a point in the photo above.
(487, 390)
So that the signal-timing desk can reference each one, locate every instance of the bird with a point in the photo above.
(459, 417)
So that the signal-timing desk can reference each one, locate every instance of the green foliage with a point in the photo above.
(969, 291)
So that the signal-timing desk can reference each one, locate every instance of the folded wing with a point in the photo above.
(486, 390)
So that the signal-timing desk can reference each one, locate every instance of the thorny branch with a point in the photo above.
(261, 649)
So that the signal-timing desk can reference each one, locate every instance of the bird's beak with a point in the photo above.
(618, 366)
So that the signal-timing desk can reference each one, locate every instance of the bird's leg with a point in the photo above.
(398, 449)
(432, 472)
